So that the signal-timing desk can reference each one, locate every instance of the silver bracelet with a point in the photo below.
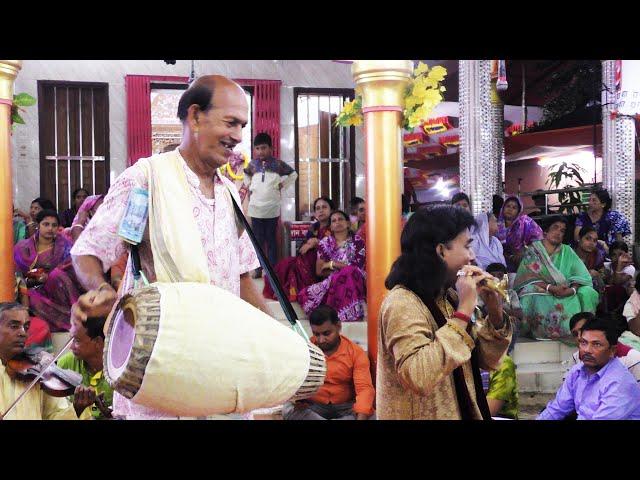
(548, 285)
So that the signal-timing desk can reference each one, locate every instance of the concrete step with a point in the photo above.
(541, 351)
(540, 377)
(541, 364)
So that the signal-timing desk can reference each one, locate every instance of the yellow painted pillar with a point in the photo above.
(381, 84)
(8, 72)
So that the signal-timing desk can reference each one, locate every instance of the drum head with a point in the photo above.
(121, 344)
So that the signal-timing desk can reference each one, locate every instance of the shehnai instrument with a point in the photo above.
(193, 349)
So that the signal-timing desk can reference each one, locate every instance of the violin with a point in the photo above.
(35, 363)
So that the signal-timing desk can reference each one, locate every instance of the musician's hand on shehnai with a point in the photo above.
(467, 287)
(94, 303)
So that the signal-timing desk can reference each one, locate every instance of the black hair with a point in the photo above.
(95, 327)
(355, 201)
(332, 205)
(346, 217)
(580, 316)
(497, 202)
(406, 203)
(496, 267)
(262, 139)
(78, 190)
(619, 245)
(538, 195)
(47, 213)
(555, 219)
(322, 314)
(604, 197)
(460, 196)
(6, 306)
(201, 95)
(603, 326)
(637, 284)
(586, 230)
(419, 267)
(44, 203)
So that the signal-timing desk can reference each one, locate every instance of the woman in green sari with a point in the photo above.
(553, 284)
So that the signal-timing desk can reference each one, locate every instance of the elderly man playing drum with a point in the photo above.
(194, 226)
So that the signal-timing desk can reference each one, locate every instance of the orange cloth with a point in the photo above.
(348, 378)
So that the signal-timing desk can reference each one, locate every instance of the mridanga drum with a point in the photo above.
(193, 349)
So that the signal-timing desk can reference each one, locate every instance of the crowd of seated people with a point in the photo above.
(299, 271)
(340, 265)
(329, 267)
(584, 293)
(45, 279)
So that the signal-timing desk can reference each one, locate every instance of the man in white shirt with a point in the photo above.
(266, 177)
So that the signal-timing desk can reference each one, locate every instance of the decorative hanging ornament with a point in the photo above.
(230, 168)
(501, 83)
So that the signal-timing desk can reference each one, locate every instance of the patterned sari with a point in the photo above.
(522, 231)
(546, 316)
(52, 300)
(344, 289)
(611, 223)
(296, 273)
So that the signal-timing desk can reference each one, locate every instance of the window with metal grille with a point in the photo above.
(166, 128)
(324, 152)
(74, 139)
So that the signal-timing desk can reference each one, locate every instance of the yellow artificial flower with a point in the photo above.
(356, 121)
(419, 88)
(433, 96)
(347, 109)
(411, 101)
(438, 73)
(420, 69)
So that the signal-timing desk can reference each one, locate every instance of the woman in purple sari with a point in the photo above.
(516, 230)
(341, 259)
(298, 272)
(45, 262)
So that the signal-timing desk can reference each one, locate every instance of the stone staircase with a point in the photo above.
(541, 365)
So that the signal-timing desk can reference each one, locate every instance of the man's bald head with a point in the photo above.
(202, 93)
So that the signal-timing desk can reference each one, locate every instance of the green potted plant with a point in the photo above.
(569, 172)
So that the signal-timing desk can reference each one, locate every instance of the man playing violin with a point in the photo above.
(85, 358)
(35, 405)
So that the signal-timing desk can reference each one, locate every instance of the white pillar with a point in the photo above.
(618, 152)
(481, 134)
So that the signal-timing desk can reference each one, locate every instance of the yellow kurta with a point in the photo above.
(416, 359)
(35, 405)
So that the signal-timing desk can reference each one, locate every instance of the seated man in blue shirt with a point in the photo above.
(599, 387)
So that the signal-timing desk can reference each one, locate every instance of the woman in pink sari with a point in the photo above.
(341, 260)
(516, 230)
(296, 273)
(45, 263)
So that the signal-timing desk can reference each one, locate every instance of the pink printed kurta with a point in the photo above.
(227, 256)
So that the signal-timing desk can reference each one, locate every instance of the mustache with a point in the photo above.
(587, 357)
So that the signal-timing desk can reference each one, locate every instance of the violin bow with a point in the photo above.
(35, 380)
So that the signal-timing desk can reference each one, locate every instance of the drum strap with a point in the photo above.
(289, 312)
